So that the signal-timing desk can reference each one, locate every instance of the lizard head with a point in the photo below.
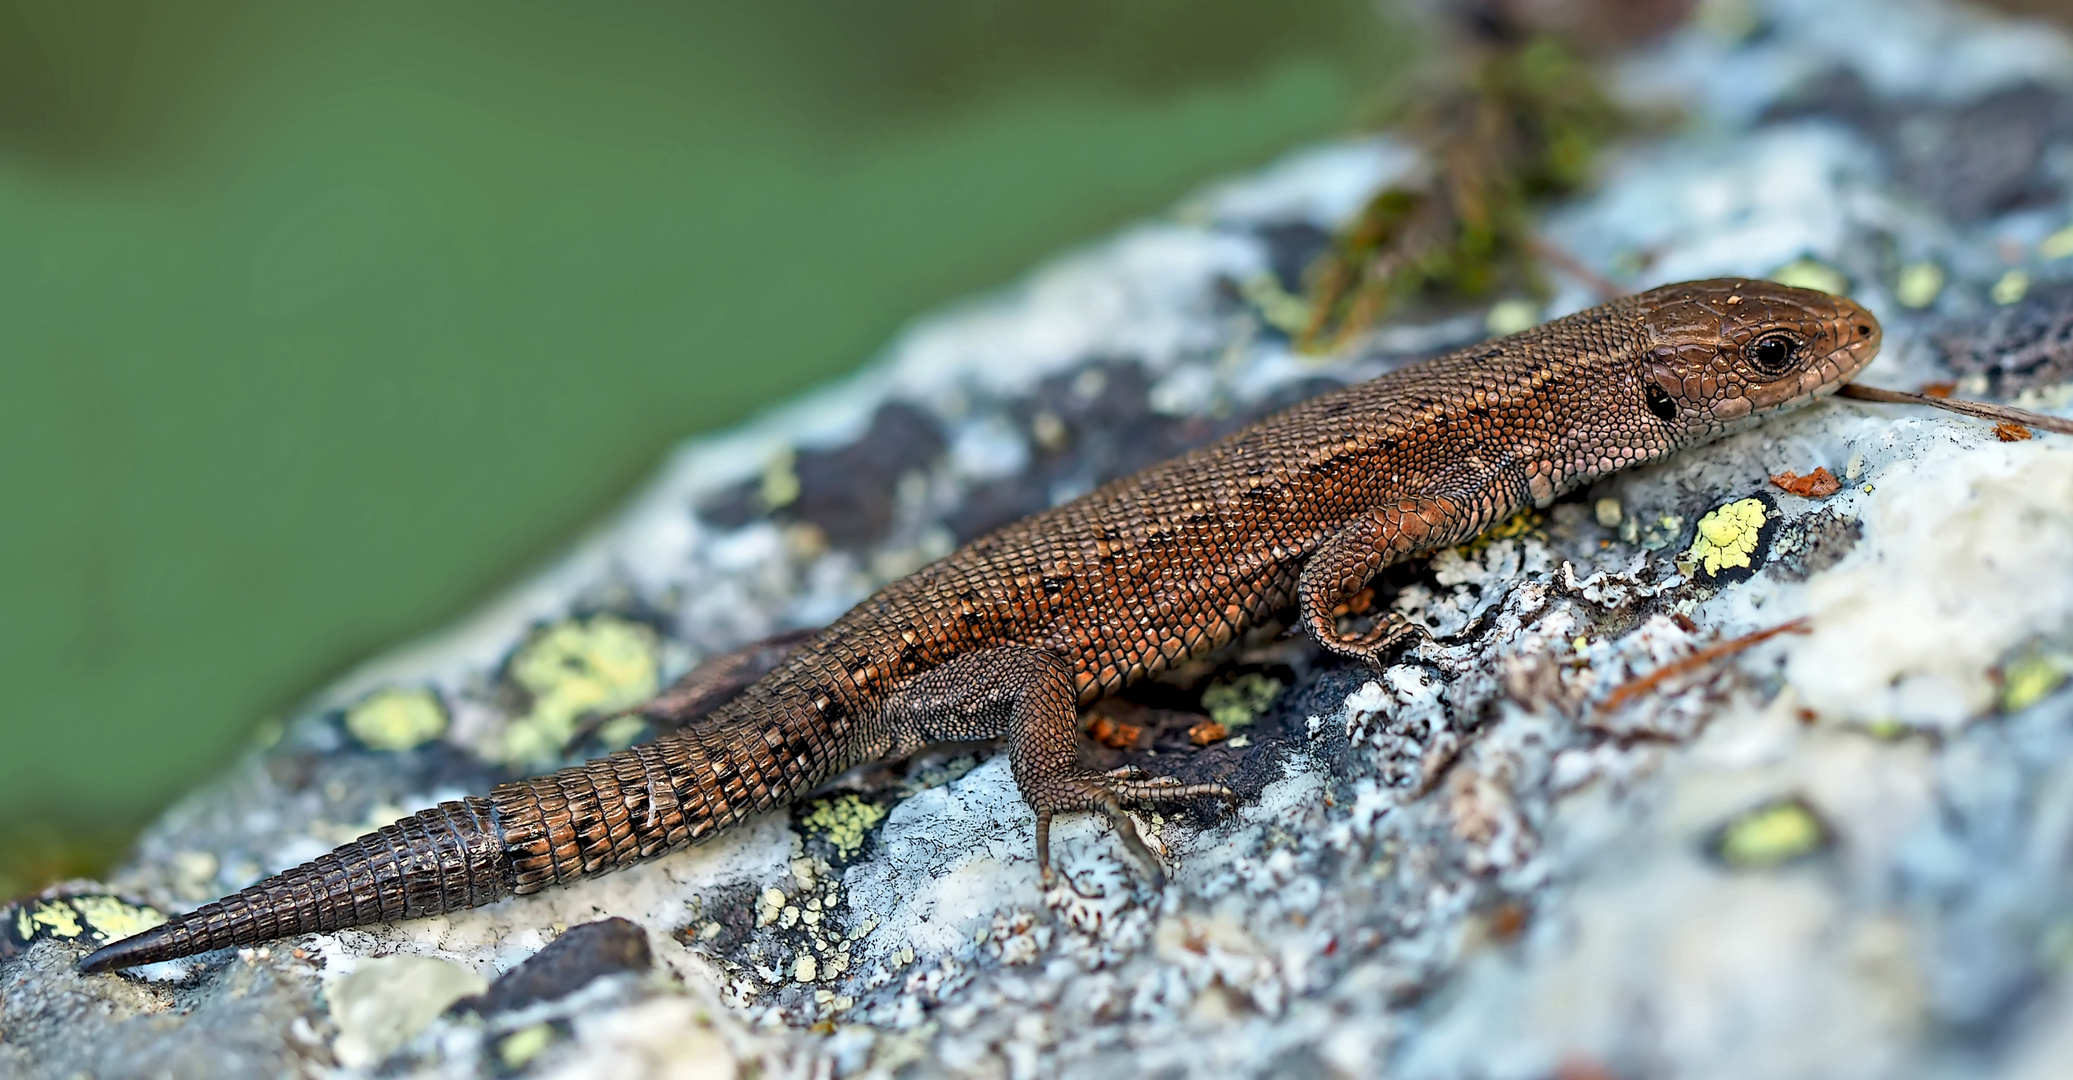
(1722, 354)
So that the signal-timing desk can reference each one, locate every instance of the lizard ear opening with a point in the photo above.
(1659, 401)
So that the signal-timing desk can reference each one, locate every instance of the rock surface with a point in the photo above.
(1842, 854)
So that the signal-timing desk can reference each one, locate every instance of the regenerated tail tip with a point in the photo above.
(435, 861)
(151, 946)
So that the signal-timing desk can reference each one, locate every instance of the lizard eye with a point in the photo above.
(1659, 402)
(1773, 353)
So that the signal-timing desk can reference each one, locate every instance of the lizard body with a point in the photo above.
(1008, 636)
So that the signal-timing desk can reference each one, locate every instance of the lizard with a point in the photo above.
(1009, 636)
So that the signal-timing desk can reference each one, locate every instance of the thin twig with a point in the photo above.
(1695, 661)
(1977, 409)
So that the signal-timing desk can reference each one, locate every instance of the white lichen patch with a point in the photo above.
(1968, 557)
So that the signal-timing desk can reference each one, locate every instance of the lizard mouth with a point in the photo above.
(1845, 362)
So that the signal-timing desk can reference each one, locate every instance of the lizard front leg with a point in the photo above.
(1027, 697)
(1342, 566)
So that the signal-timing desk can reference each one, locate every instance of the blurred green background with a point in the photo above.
(320, 322)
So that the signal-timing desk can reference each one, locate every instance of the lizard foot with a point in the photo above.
(1374, 646)
(1111, 794)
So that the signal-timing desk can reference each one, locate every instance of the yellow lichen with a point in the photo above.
(62, 920)
(1728, 536)
(580, 667)
(2056, 246)
(1239, 702)
(842, 821)
(769, 906)
(524, 1045)
(111, 918)
(1918, 285)
(779, 485)
(2011, 287)
(2032, 678)
(396, 719)
(1524, 523)
(1771, 834)
(1511, 316)
(1806, 273)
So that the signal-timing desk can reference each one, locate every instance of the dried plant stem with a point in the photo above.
(1636, 687)
(1976, 409)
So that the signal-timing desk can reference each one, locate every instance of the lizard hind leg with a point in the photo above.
(1027, 697)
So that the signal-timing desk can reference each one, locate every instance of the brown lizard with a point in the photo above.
(1009, 636)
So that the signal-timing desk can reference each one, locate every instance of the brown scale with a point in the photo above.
(1007, 637)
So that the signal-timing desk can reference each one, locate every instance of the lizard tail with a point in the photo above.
(443, 859)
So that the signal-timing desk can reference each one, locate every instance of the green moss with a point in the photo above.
(572, 669)
(397, 720)
(1728, 537)
(1771, 834)
(842, 821)
(1525, 127)
(1279, 308)
(1240, 701)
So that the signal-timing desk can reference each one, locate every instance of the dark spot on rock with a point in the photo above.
(1970, 161)
(1810, 544)
(2027, 344)
(574, 960)
(1291, 248)
(1838, 94)
(1759, 556)
(848, 491)
(70, 918)
(1986, 158)
(729, 918)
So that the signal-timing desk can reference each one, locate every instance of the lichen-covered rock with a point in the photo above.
(1838, 854)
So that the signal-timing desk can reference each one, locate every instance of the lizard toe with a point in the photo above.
(1112, 794)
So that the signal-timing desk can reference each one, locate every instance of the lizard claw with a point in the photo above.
(1373, 646)
(1111, 794)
